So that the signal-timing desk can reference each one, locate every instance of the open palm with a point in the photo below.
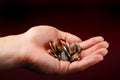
(35, 56)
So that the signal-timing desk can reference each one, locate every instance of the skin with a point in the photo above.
(29, 50)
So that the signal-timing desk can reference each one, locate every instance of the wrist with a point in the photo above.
(10, 52)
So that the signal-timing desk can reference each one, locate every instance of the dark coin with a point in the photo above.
(77, 46)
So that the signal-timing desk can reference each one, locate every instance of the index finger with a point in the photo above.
(90, 42)
(69, 37)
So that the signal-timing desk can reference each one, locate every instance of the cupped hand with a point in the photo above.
(34, 53)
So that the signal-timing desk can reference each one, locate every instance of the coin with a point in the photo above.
(65, 51)
(53, 45)
(75, 57)
(72, 49)
(63, 56)
(77, 47)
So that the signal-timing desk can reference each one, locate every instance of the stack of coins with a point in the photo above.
(64, 51)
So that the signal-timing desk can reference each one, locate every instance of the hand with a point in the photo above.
(35, 56)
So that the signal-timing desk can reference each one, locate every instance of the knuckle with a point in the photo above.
(93, 40)
(98, 58)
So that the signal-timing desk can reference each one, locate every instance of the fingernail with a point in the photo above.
(107, 44)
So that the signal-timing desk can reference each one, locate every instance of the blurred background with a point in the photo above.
(84, 18)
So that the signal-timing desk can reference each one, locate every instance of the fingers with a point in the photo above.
(88, 61)
(69, 37)
(92, 59)
(90, 42)
(98, 46)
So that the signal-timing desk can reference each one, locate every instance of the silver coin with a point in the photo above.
(66, 52)
(63, 56)
(67, 45)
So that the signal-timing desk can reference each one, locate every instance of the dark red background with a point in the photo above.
(85, 18)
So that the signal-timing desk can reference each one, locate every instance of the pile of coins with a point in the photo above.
(64, 51)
